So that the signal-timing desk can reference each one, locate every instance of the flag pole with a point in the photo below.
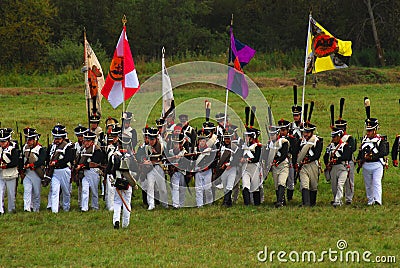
(86, 76)
(227, 89)
(162, 81)
(305, 67)
(124, 21)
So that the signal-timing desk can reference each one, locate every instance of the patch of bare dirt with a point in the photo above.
(274, 82)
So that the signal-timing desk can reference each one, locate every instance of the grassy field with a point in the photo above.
(212, 236)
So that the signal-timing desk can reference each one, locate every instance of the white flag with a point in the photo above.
(168, 96)
(94, 80)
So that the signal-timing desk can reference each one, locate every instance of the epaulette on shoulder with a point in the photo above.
(398, 136)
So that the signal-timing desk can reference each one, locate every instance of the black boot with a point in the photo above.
(257, 198)
(228, 199)
(281, 196)
(305, 196)
(290, 195)
(277, 197)
(246, 196)
(144, 198)
(313, 198)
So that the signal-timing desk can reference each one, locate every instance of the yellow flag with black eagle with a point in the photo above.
(324, 51)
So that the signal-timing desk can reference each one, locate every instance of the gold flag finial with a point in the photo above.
(124, 20)
(232, 20)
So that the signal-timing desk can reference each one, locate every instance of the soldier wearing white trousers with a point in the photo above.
(177, 170)
(9, 157)
(34, 157)
(89, 160)
(118, 166)
(9, 187)
(78, 146)
(112, 148)
(294, 140)
(346, 138)
(59, 157)
(251, 169)
(279, 152)
(371, 158)
(228, 162)
(156, 177)
(204, 163)
(236, 186)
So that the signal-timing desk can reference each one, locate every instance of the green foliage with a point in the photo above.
(68, 55)
(192, 27)
(24, 33)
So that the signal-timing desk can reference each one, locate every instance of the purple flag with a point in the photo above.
(239, 55)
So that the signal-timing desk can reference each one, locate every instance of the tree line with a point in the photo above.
(44, 34)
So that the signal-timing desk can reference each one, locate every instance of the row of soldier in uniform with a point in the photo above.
(214, 153)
